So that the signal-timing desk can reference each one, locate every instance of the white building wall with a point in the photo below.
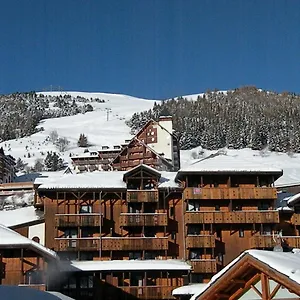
(39, 231)
(164, 139)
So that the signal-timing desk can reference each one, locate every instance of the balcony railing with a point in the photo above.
(230, 193)
(75, 244)
(142, 196)
(205, 265)
(74, 220)
(296, 219)
(150, 292)
(143, 219)
(200, 241)
(134, 243)
(234, 217)
(267, 241)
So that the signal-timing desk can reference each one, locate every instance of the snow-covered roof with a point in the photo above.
(229, 164)
(86, 155)
(286, 263)
(94, 180)
(12, 239)
(190, 289)
(101, 180)
(150, 169)
(293, 199)
(126, 265)
(19, 216)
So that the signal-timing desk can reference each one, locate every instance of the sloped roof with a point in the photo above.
(284, 264)
(20, 216)
(11, 239)
(219, 163)
(142, 166)
(293, 200)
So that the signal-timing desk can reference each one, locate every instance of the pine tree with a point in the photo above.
(53, 162)
(82, 141)
(20, 165)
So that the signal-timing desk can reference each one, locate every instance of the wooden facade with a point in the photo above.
(206, 220)
(134, 222)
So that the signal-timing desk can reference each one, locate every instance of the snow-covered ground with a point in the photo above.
(94, 125)
(103, 132)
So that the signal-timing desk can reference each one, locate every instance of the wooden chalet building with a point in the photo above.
(117, 216)
(254, 275)
(7, 167)
(23, 261)
(154, 145)
(199, 219)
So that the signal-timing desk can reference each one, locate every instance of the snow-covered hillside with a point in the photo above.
(99, 130)
(113, 131)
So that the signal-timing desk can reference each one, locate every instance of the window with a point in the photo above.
(193, 205)
(238, 207)
(220, 257)
(134, 208)
(172, 211)
(173, 235)
(241, 233)
(194, 229)
(71, 233)
(135, 255)
(217, 207)
(71, 283)
(86, 282)
(150, 254)
(264, 206)
(266, 230)
(136, 279)
(195, 254)
(85, 209)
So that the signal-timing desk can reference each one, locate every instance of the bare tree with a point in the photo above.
(53, 136)
(62, 144)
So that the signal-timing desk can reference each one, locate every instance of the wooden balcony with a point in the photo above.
(267, 241)
(150, 292)
(230, 193)
(234, 217)
(204, 265)
(134, 243)
(144, 219)
(200, 241)
(75, 220)
(142, 196)
(295, 219)
(75, 244)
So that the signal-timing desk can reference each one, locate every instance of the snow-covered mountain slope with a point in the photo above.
(99, 130)
(113, 131)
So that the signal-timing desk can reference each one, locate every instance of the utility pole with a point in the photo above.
(108, 110)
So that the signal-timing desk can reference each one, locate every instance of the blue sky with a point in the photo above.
(149, 48)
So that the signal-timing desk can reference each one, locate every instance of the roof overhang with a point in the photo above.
(125, 265)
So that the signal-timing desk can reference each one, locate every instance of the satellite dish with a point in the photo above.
(278, 248)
